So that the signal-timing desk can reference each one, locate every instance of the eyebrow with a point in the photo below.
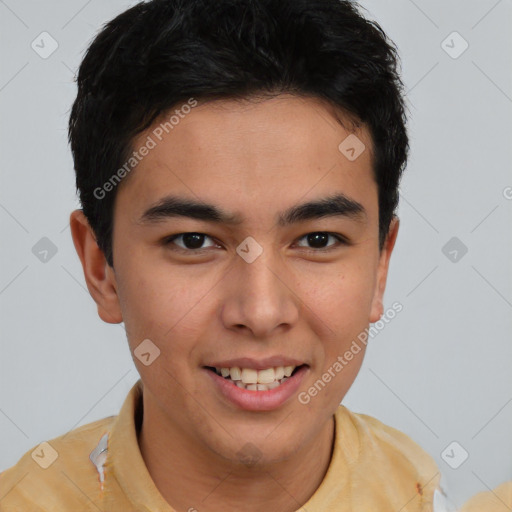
(173, 206)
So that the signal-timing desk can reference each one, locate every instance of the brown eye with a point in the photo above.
(189, 241)
(319, 240)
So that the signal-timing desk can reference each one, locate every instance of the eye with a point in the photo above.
(192, 242)
(319, 238)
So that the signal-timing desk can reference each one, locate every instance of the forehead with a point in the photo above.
(252, 156)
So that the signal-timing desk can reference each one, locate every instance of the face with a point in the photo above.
(270, 283)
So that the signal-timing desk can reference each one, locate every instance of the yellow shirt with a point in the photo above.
(497, 500)
(373, 468)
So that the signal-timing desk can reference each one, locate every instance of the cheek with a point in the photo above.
(166, 309)
(343, 304)
(160, 304)
(341, 298)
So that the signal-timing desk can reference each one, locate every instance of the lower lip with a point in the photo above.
(259, 400)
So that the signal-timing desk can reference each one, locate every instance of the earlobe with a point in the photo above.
(99, 278)
(377, 308)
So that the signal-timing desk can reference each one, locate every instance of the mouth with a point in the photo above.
(257, 380)
(256, 390)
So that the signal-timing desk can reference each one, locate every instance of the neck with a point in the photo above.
(191, 478)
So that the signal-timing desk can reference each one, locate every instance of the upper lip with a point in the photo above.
(257, 364)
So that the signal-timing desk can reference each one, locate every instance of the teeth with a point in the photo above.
(235, 373)
(266, 376)
(288, 370)
(249, 376)
(257, 380)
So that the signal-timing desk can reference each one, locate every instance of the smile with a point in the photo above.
(254, 395)
(256, 380)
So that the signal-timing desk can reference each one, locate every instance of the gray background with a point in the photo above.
(440, 371)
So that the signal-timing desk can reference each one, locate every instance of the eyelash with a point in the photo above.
(340, 239)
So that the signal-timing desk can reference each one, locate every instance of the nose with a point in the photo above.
(260, 298)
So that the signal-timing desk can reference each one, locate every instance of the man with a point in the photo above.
(238, 166)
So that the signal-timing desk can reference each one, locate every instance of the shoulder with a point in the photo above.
(497, 500)
(56, 473)
(394, 442)
(395, 461)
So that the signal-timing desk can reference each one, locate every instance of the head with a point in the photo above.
(228, 120)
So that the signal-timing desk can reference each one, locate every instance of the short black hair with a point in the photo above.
(160, 53)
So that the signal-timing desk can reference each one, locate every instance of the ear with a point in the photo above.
(377, 308)
(99, 276)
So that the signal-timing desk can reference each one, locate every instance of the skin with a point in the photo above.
(255, 159)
